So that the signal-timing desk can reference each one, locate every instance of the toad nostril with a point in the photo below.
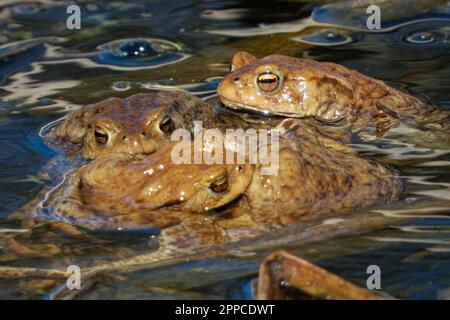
(124, 137)
(143, 133)
(236, 79)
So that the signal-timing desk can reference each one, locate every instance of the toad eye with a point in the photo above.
(268, 81)
(166, 124)
(219, 185)
(101, 136)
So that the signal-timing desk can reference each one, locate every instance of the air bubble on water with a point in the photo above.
(421, 37)
(139, 52)
(140, 47)
(325, 38)
(136, 48)
(121, 85)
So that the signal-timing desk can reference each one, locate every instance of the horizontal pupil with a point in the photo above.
(100, 135)
(166, 124)
(165, 119)
(219, 187)
(267, 80)
(219, 184)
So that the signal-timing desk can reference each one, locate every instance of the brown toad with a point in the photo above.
(296, 87)
(139, 124)
(316, 176)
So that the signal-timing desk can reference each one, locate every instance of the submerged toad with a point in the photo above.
(228, 201)
(134, 126)
(139, 124)
(199, 206)
(330, 92)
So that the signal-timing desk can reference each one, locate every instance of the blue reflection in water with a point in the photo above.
(139, 53)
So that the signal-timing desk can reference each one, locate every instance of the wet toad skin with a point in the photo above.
(118, 192)
(139, 124)
(313, 180)
(139, 117)
(330, 92)
(134, 126)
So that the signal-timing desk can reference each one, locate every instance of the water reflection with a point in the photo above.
(325, 37)
(353, 17)
(139, 53)
(46, 71)
(421, 38)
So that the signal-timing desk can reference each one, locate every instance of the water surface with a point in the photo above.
(129, 47)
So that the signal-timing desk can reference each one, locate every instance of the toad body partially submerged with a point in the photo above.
(228, 201)
(139, 124)
(295, 87)
(132, 127)
(201, 206)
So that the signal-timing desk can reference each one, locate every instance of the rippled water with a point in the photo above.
(125, 48)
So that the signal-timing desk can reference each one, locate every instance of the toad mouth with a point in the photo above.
(240, 106)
